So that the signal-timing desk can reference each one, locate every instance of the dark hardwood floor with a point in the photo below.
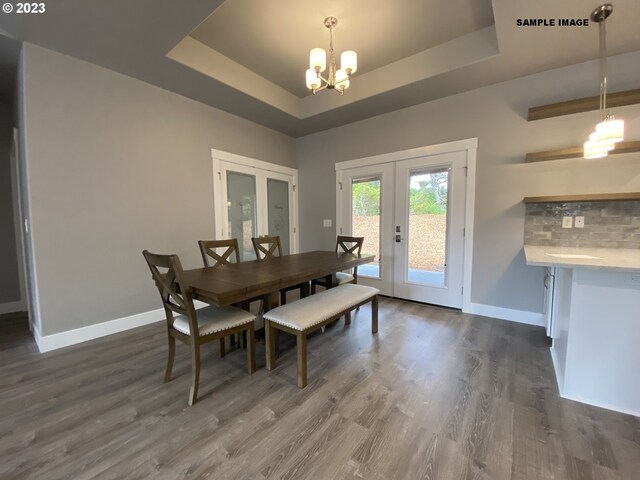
(436, 394)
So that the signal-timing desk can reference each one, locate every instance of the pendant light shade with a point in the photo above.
(313, 81)
(349, 61)
(594, 150)
(610, 130)
(318, 59)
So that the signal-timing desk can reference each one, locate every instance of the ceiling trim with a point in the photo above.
(449, 56)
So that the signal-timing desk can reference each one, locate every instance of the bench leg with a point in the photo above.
(222, 350)
(374, 315)
(269, 344)
(251, 349)
(347, 318)
(302, 359)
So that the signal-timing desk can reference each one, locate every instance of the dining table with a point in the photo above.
(235, 283)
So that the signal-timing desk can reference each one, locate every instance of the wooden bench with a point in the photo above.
(311, 313)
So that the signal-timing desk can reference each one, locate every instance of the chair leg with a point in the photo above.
(347, 318)
(172, 355)
(269, 344)
(302, 359)
(195, 372)
(222, 350)
(251, 349)
(374, 315)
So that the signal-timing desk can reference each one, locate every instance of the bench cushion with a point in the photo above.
(309, 311)
(213, 320)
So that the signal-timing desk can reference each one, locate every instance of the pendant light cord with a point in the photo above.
(603, 63)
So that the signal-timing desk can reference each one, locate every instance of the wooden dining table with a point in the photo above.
(234, 283)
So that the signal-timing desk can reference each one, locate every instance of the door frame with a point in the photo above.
(470, 146)
(218, 156)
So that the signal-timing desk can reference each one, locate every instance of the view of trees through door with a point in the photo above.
(428, 194)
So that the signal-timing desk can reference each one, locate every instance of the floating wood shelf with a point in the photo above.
(576, 152)
(587, 197)
(587, 104)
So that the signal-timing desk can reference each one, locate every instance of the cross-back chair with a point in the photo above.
(268, 247)
(345, 244)
(194, 328)
(210, 256)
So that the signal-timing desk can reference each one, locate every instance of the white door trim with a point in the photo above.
(449, 147)
(218, 156)
(469, 145)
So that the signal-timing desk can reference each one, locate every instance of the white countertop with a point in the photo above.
(622, 259)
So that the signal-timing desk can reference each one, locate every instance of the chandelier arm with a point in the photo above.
(323, 79)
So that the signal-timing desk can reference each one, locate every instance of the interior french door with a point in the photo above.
(413, 211)
(252, 202)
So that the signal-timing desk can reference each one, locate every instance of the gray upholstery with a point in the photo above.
(307, 312)
(212, 319)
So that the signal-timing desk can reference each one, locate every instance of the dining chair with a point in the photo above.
(195, 328)
(268, 247)
(209, 250)
(345, 244)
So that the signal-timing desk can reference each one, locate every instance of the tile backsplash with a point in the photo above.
(607, 224)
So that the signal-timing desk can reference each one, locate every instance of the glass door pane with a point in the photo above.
(242, 214)
(278, 212)
(365, 210)
(427, 227)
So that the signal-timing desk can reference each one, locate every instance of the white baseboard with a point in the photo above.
(519, 316)
(47, 343)
(577, 398)
(19, 306)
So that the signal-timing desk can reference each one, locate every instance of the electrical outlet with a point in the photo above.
(579, 222)
(567, 222)
(326, 223)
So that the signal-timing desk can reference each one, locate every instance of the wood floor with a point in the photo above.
(436, 394)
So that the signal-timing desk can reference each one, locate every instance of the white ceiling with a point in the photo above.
(262, 49)
(273, 38)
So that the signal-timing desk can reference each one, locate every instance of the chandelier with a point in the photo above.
(609, 131)
(337, 79)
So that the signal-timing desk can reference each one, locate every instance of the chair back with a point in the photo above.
(166, 271)
(211, 257)
(349, 244)
(267, 247)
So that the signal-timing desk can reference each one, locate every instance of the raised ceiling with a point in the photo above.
(247, 57)
(273, 38)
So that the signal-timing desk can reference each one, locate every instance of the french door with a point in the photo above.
(252, 201)
(413, 212)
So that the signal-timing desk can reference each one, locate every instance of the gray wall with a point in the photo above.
(9, 278)
(497, 116)
(115, 166)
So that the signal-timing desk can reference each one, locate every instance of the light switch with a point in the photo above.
(579, 222)
(567, 222)
(326, 222)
